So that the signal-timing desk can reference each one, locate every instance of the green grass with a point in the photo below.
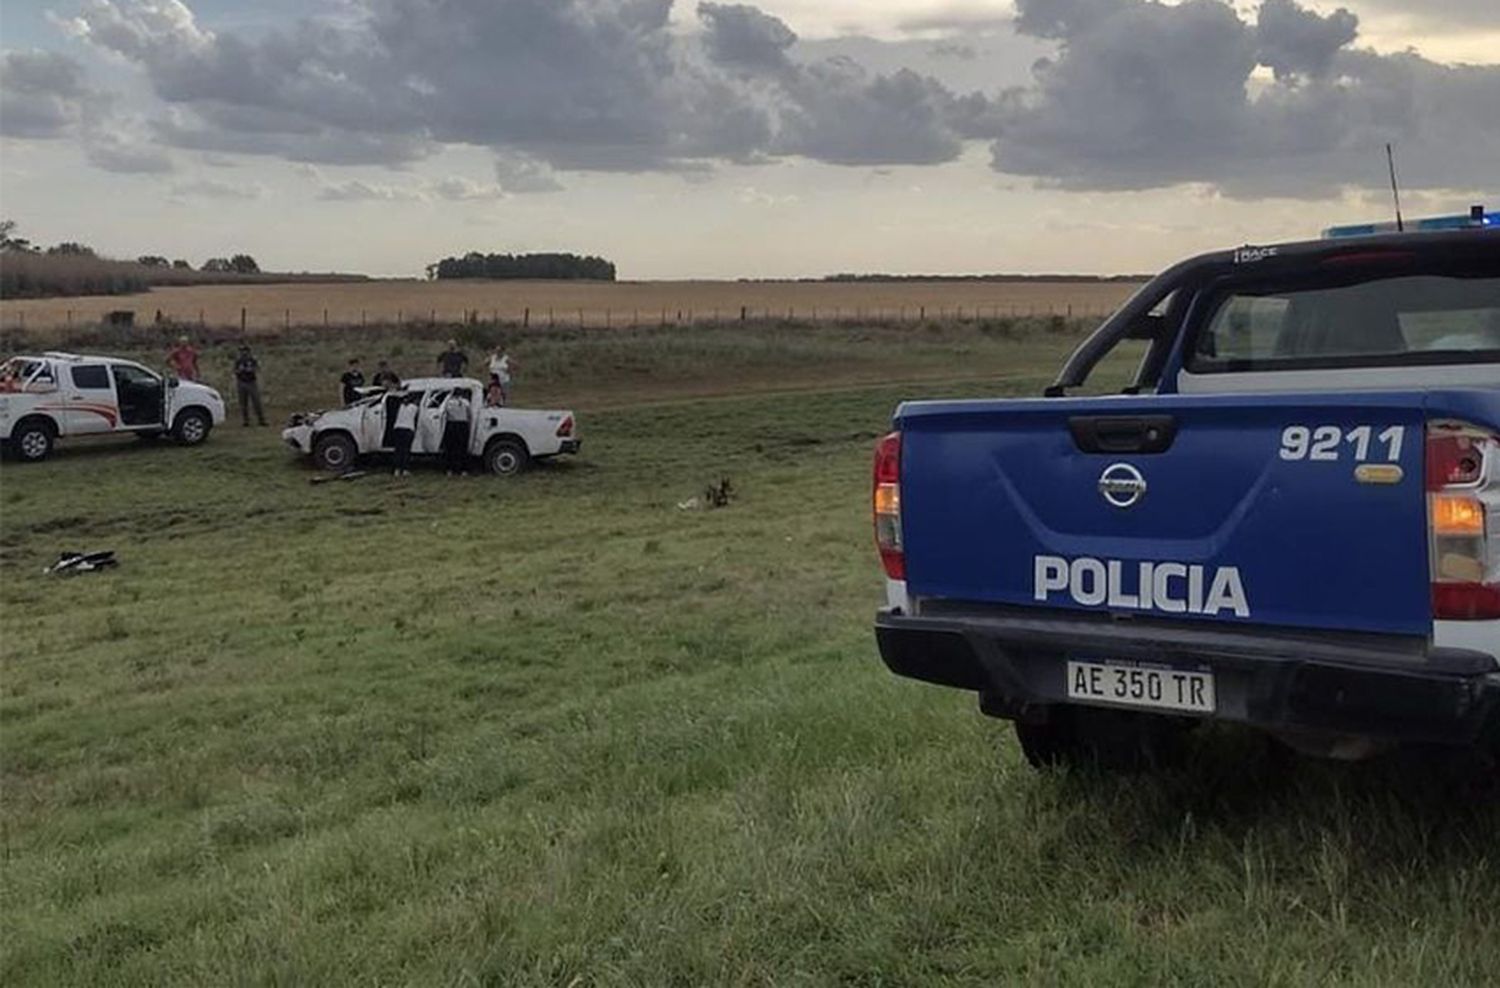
(555, 730)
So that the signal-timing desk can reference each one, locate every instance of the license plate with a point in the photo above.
(1137, 686)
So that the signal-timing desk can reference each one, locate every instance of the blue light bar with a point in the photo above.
(1476, 219)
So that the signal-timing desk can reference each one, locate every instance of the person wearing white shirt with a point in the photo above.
(456, 414)
(500, 368)
(403, 432)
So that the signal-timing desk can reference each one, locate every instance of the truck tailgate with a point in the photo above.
(1302, 511)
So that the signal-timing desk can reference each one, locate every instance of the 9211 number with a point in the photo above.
(1326, 442)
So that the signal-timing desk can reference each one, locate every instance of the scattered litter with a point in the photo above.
(71, 563)
(714, 496)
(351, 475)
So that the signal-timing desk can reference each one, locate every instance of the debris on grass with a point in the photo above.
(716, 495)
(71, 563)
(348, 475)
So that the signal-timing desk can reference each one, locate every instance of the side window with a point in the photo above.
(435, 398)
(1247, 327)
(91, 377)
(134, 377)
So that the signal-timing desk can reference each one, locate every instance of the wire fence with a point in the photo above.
(259, 320)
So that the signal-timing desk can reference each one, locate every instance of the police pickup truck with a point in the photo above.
(1290, 519)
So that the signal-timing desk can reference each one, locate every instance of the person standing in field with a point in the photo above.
(452, 361)
(247, 385)
(402, 434)
(500, 368)
(456, 415)
(385, 378)
(183, 359)
(352, 381)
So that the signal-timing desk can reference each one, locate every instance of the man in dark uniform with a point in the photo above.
(385, 378)
(452, 360)
(352, 381)
(247, 384)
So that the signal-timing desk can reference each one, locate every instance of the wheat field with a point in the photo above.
(272, 306)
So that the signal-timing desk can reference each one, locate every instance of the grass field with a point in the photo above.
(272, 307)
(555, 731)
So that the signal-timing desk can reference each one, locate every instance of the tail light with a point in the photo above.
(566, 428)
(887, 505)
(1463, 510)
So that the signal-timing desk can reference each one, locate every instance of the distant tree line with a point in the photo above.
(551, 267)
(70, 268)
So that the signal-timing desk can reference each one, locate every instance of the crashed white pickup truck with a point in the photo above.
(505, 439)
(56, 394)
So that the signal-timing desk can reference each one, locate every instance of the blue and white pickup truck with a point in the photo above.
(1290, 519)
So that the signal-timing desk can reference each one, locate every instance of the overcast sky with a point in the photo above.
(787, 138)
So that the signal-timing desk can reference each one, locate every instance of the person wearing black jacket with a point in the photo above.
(352, 381)
(247, 385)
(385, 378)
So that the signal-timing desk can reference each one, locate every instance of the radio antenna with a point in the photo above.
(1390, 160)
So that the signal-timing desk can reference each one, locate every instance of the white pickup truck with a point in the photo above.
(43, 398)
(505, 439)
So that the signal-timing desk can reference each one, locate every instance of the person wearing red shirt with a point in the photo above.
(183, 359)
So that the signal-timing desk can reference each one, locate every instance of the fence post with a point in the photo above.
(742, 313)
(70, 318)
(526, 317)
(325, 318)
(551, 320)
(361, 318)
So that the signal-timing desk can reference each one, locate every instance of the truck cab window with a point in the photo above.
(91, 377)
(1384, 321)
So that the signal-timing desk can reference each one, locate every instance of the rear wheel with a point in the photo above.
(192, 426)
(334, 452)
(32, 440)
(505, 457)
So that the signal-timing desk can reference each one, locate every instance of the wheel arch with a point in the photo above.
(37, 418)
(207, 413)
(515, 437)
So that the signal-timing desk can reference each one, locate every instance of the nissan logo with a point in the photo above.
(1122, 485)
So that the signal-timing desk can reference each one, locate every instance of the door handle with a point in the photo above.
(1123, 433)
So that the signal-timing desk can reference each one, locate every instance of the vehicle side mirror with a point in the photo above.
(172, 382)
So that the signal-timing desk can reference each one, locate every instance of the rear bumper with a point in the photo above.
(1344, 685)
(571, 446)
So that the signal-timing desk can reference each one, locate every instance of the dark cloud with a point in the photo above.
(1296, 41)
(1142, 94)
(43, 94)
(577, 84)
(1132, 93)
(738, 34)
